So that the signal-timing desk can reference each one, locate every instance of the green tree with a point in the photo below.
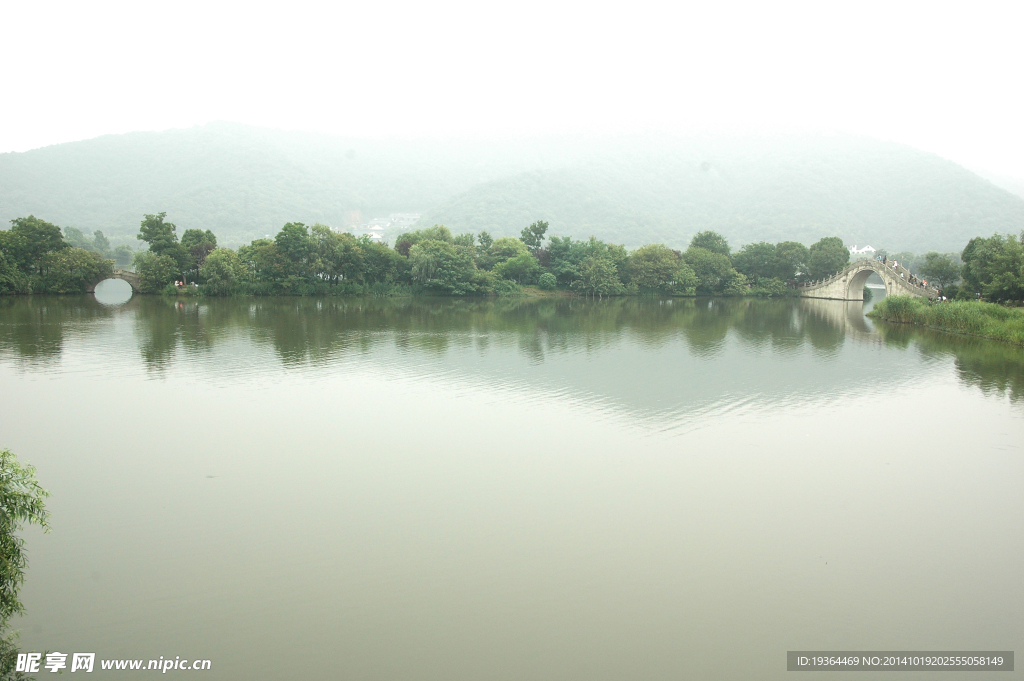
(659, 268)
(98, 244)
(713, 270)
(335, 257)
(409, 239)
(547, 282)
(76, 239)
(443, 267)
(767, 288)
(499, 251)
(506, 248)
(199, 244)
(791, 260)
(940, 268)
(757, 261)
(263, 263)
(71, 270)
(294, 244)
(710, 241)
(736, 284)
(522, 269)
(826, 257)
(617, 253)
(123, 255)
(22, 501)
(994, 267)
(12, 280)
(101, 243)
(467, 240)
(221, 272)
(155, 271)
(533, 236)
(30, 239)
(484, 259)
(160, 235)
(565, 256)
(382, 264)
(598, 277)
(163, 242)
(295, 249)
(770, 266)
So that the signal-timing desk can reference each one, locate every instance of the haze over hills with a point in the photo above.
(245, 182)
(1014, 185)
(242, 182)
(863, 190)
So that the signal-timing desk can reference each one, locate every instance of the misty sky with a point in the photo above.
(940, 76)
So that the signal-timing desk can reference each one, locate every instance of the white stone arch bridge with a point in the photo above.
(131, 277)
(848, 283)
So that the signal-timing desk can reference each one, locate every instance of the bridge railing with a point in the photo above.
(905, 279)
(876, 265)
(829, 280)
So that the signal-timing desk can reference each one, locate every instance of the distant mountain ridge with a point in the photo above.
(244, 182)
(863, 190)
(1014, 185)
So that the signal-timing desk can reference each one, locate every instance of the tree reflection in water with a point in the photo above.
(34, 331)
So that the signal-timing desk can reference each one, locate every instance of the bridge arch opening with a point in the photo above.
(869, 279)
(875, 286)
(859, 280)
(113, 292)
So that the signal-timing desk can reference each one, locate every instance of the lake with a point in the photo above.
(337, 488)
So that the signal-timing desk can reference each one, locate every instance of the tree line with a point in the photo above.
(307, 260)
(989, 268)
(122, 254)
(36, 258)
(314, 260)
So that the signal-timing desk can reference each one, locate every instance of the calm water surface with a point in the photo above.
(554, 489)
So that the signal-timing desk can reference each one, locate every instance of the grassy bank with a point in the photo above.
(971, 318)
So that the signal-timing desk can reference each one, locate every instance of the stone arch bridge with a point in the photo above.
(131, 277)
(848, 283)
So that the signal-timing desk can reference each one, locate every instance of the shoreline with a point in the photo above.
(976, 319)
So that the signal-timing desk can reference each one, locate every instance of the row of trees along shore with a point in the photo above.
(301, 260)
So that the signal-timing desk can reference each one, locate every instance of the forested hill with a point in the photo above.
(866, 191)
(244, 182)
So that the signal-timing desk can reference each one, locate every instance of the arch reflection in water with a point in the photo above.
(113, 292)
